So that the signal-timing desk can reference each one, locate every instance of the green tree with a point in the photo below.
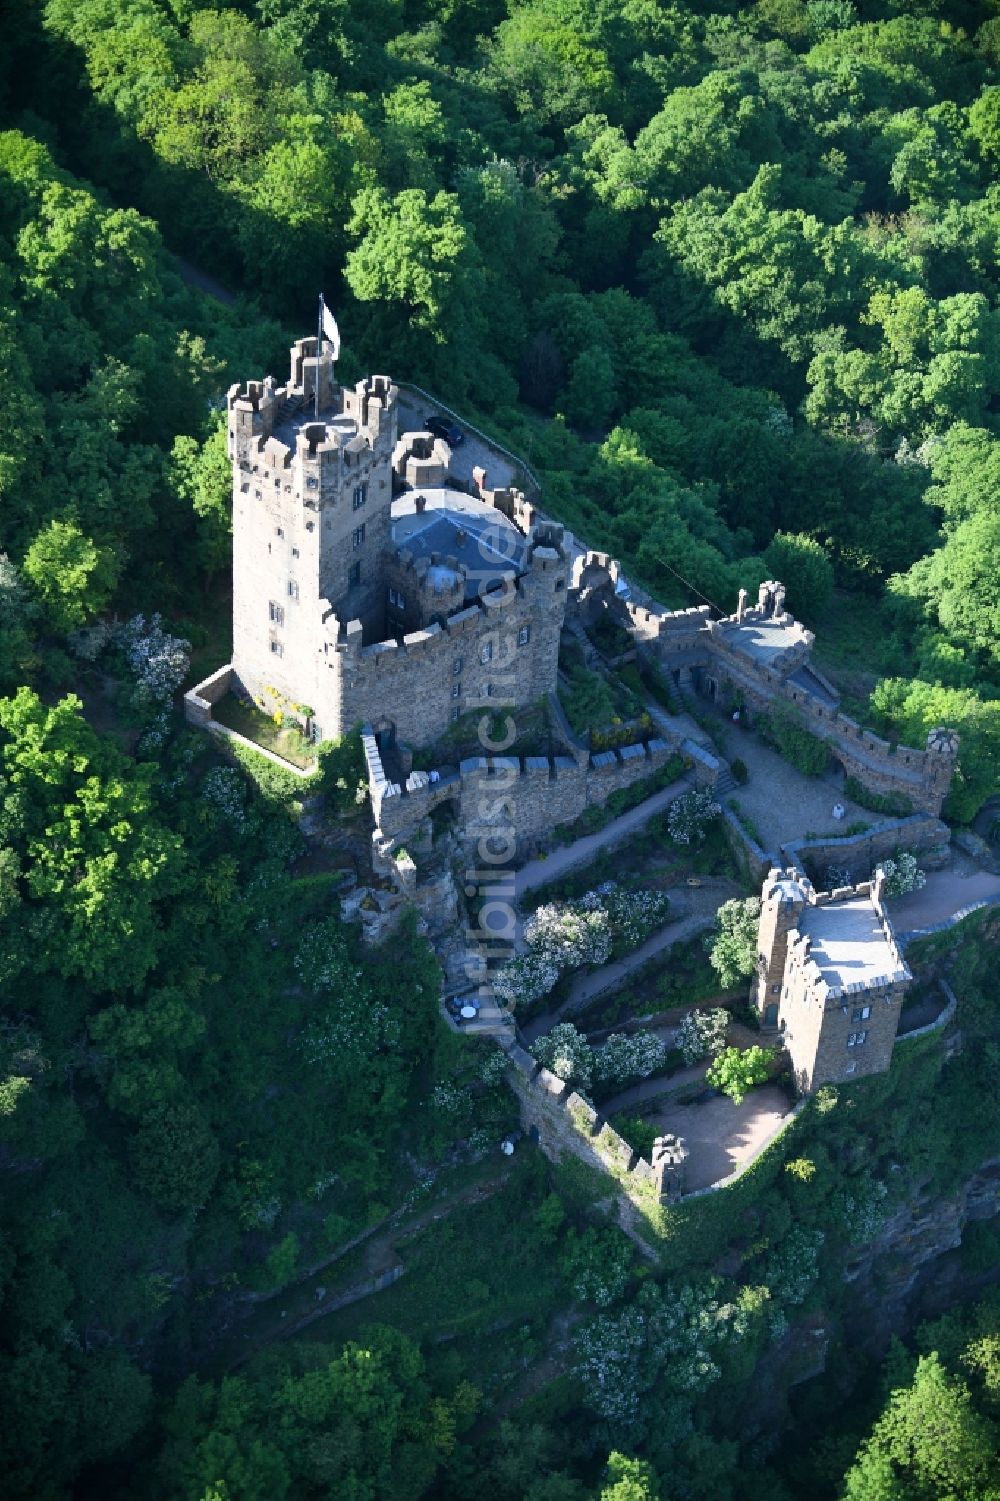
(175, 1156)
(72, 576)
(97, 860)
(201, 475)
(736, 1072)
(929, 1444)
(732, 947)
(803, 566)
(409, 254)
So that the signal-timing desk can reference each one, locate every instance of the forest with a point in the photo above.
(727, 276)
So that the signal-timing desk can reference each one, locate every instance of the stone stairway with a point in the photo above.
(727, 782)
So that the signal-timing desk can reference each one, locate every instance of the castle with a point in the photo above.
(830, 978)
(370, 589)
(365, 588)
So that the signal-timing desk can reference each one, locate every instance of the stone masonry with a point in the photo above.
(336, 625)
(830, 978)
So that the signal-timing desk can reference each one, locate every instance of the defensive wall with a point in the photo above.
(520, 798)
(693, 647)
(857, 855)
(563, 1122)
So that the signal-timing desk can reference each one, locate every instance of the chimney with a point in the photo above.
(420, 502)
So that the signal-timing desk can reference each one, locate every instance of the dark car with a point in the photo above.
(442, 428)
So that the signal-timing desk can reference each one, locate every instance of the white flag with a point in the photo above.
(331, 330)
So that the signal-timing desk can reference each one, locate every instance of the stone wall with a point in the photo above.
(565, 1123)
(858, 854)
(514, 798)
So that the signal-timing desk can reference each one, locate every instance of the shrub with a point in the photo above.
(566, 1053)
(789, 736)
(629, 1055)
(525, 979)
(689, 816)
(702, 1034)
(736, 1072)
(740, 771)
(902, 874)
(570, 934)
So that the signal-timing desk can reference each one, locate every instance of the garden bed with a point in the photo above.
(280, 739)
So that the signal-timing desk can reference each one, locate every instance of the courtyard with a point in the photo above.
(722, 1137)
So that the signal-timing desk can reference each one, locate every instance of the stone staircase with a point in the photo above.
(727, 782)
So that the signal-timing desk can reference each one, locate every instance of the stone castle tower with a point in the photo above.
(356, 598)
(830, 978)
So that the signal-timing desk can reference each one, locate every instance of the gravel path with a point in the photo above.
(568, 856)
(946, 892)
(693, 910)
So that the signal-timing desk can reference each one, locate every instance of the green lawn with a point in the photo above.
(288, 743)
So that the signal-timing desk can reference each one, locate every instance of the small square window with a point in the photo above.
(293, 589)
(851, 1068)
(354, 574)
(256, 495)
(295, 552)
(455, 712)
(276, 612)
(277, 649)
(279, 531)
(488, 690)
(360, 496)
(310, 526)
(359, 535)
(312, 483)
(456, 666)
(524, 635)
(486, 652)
(560, 584)
(857, 1039)
(861, 1013)
(456, 690)
(775, 989)
(245, 487)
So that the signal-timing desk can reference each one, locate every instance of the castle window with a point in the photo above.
(486, 652)
(279, 531)
(310, 526)
(456, 666)
(312, 483)
(857, 1039)
(359, 535)
(354, 574)
(276, 612)
(360, 496)
(277, 649)
(524, 635)
(397, 600)
(245, 487)
(256, 495)
(861, 1013)
(455, 712)
(488, 690)
(560, 583)
(851, 1068)
(775, 989)
(295, 552)
(293, 589)
(456, 690)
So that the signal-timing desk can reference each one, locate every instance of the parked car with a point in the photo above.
(442, 428)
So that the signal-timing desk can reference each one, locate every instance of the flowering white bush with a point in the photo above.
(633, 915)
(596, 1264)
(702, 1034)
(666, 1333)
(793, 1265)
(629, 1055)
(157, 662)
(224, 789)
(89, 641)
(570, 934)
(902, 874)
(525, 979)
(322, 961)
(689, 816)
(566, 1053)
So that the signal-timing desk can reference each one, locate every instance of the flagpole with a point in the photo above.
(319, 346)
